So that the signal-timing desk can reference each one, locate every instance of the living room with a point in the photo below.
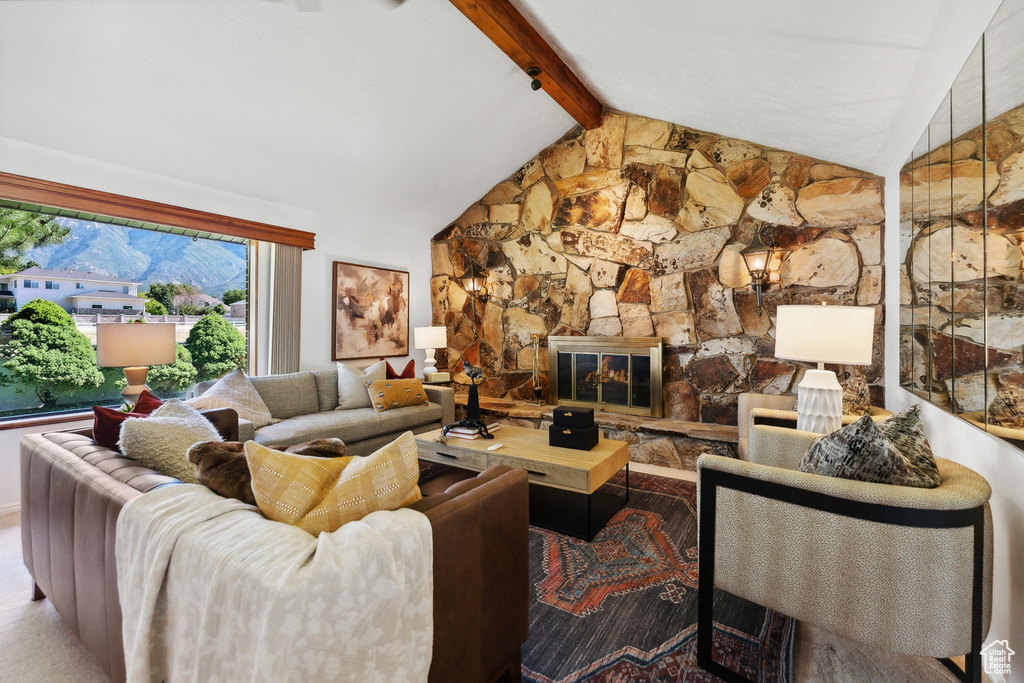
(378, 124)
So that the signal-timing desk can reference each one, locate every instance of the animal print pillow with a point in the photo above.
(860, 451)
(1007, 408)
(906, 432)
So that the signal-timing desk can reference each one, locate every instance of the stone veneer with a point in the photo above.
(635, 229)
(943, 300)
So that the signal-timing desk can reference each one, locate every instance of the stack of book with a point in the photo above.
(469, 433)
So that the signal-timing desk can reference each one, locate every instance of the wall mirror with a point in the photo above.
(961, 240)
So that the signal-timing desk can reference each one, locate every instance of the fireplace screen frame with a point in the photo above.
(650, 347)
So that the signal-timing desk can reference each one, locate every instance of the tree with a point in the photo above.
(173, 377)
(154, 307)
(24, 230)
(216, 347)
(219, 309)
(164, 293)
(48, 353)
(43, 312)
(233, 295)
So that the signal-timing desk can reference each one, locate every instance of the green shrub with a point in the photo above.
(173, 377)
(216, 346)
(154, 307)
(51, 359)
(43, 312)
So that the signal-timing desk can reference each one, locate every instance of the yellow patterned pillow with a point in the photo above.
(386, 394)
(321, 494)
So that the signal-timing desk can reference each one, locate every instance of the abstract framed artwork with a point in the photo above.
(371, 312)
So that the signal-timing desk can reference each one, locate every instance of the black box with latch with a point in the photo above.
(576, 418)
(580, 438)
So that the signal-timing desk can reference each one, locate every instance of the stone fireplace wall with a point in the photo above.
(635, 229)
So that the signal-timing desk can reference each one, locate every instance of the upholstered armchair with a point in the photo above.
(902, 568)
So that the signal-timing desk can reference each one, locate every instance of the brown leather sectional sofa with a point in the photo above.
(73, 490)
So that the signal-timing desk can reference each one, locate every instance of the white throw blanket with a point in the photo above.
(212, 591)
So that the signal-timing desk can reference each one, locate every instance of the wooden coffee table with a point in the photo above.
(566, 493)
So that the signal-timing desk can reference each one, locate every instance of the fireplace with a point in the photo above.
(613, 374)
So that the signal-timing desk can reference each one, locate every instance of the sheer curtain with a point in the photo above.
(285, 309)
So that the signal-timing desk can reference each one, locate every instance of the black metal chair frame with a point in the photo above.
(711, 480)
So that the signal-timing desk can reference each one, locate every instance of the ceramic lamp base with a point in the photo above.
(819, 403)
(136, 377)
(429, 363)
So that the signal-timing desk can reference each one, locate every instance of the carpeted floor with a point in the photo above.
(624, 607)
(35, 644)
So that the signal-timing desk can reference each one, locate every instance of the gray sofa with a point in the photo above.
(306, 405)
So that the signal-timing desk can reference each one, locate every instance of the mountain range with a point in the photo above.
(146, 256)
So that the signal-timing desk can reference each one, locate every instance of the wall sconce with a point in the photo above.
(763, 263)
(475, 286)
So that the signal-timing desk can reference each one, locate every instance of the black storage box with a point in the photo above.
(580, 438)
(577, 418)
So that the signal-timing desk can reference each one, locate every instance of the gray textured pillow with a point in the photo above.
(861, 452)
(906, 432)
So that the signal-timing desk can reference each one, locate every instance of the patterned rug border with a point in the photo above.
(776, 637)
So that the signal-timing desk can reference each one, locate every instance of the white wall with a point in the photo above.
(958, 440)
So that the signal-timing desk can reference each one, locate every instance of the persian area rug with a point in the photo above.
(624, 606)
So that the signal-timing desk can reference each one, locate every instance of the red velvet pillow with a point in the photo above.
(147, 403)
(106, 425)
(408, 373)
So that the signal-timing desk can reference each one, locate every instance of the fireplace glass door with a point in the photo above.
(607, 373)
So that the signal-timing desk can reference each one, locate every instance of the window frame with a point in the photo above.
(44, 196)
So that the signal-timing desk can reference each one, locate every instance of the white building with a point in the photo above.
(76, 291)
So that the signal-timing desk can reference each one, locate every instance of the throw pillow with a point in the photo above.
(162, 440)
(1007, 408)
(906, 432)
(106, 425)
(146, 403)
(408, 373)
(860, 451)
(352, 384)
(386, 394)
(321, 495)
(234, 390)
(856, 396)
(221, 465)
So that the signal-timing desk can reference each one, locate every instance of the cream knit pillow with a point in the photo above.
(162, 440)
(321, 494)
(234, 390)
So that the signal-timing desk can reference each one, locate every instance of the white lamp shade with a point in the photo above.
(121, 345)
(825, 334)
(430, 337)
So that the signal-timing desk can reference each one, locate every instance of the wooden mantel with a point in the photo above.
(510, 31)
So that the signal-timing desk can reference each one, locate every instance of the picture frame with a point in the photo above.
(370, 311)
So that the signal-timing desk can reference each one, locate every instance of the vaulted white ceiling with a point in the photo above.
(404, 113)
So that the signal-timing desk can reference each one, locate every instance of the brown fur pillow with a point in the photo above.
(222, 468)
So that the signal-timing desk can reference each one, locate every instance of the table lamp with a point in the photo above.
(430, 339)
(134, 347)
(823, 334)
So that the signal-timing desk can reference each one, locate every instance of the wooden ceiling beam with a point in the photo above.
(510, 31)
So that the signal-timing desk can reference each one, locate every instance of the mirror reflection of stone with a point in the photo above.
(962, 224)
